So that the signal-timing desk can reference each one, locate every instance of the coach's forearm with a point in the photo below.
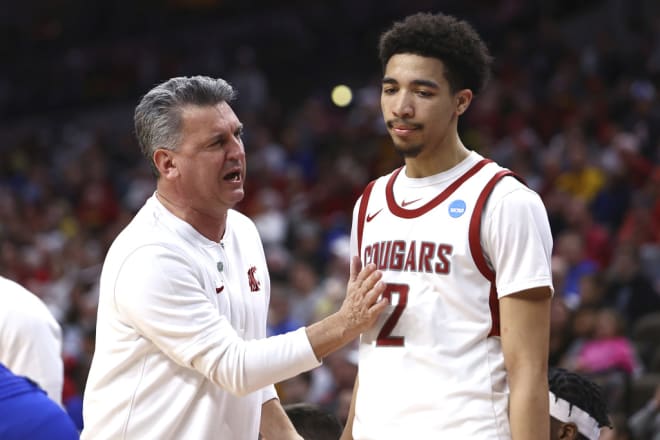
(329, 335)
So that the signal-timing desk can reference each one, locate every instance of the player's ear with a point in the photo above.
(568, 431)
(463, 100)
(165, 163)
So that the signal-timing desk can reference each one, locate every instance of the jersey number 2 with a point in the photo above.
(384, 337)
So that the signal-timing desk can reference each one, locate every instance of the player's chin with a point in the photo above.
(408, 150)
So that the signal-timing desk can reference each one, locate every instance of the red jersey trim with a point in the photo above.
(362, 212)
(412, 213)
(477, 251)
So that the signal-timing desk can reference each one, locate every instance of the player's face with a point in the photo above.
(419, 109)
(562, 431)
(210, 158)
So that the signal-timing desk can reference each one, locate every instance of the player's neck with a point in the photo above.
(436, 160)
(209, 225)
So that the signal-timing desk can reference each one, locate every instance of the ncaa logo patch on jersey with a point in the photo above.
(457, 208)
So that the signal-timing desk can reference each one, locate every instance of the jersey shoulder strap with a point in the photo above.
(362, 213)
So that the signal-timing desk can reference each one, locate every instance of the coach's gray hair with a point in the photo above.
(158, 115)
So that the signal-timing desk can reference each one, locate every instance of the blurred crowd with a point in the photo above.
(573, 107)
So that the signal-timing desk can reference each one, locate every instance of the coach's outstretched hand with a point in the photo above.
(359, 311)
(361, 307)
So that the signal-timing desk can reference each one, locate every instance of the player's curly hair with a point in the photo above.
(454, 42)
(581, 392)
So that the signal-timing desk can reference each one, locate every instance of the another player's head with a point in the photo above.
(192, 138)
(314, 423)
(433, 65)
(577, 407)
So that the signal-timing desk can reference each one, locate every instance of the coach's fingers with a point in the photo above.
(374, 292)
(364, 279)
(369, 282)
(379, 307)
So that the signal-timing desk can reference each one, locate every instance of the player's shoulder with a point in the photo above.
(19, 301)
(510, 192)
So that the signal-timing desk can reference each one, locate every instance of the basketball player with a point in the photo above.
(465, 252)
(27, 413)
(30, 338)
(181, 351)
(578, 410)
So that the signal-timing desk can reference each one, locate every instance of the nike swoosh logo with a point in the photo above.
(406, 203)
(371, 216)
(219, 289)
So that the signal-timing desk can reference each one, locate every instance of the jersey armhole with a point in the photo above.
(362, 212)
(474, 238)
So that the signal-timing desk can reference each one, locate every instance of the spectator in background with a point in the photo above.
(280, 320)
(570, 248)
(609, 358)
(581, 179)
(560, 330)
(30, 338)
(582, 328)
(595, 238)
(641, 224)
(609, 348)
(306, 291)
(592, 289)
(645, 422)
(628, 289)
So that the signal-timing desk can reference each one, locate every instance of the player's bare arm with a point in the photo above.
(275, 424)
(525, 330)
(347, 434)
(359, 311)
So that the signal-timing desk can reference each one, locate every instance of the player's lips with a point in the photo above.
(403, 129)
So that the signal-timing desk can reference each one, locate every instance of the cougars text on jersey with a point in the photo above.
(410, 256)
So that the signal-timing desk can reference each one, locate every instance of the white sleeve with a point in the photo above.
(516, 238)
(31, 339)
(159, 293)
(269, 393)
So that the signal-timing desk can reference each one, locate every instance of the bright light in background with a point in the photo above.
(342, 95)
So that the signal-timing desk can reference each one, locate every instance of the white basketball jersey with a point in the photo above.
(432, 367)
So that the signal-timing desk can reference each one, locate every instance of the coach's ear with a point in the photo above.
(164, 161)
(568, 431)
